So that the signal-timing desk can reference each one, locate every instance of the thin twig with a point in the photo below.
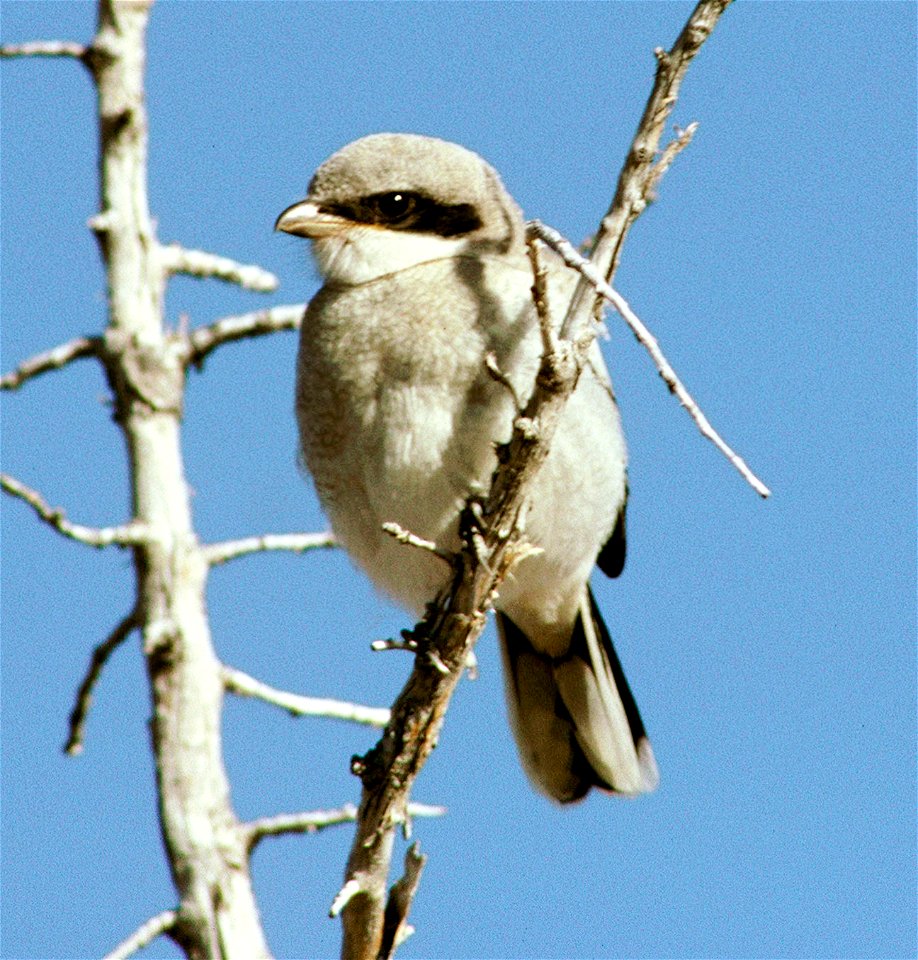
(235, 681)
(402, 535)
(146, 933)
(540, 295)
(45, 48)
(216, 553)
(494, 370)
(83, 702)
(203, 340)
(637, 174)
(647, 340)
(682, 139)
(199, 263)
(128, 535)
(52, 359)
(312, 821)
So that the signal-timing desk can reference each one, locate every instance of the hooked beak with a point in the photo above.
(305, 219)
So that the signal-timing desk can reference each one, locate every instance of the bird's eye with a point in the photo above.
(392, 208)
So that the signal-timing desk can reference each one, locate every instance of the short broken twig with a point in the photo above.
(344, 896)
(672, 150)
(540, 295)
(311, 821)
(396, 928)
(412, 540)
(45, 48)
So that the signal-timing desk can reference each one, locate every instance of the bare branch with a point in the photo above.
(453, 624)
(235, 681)
(203, 340)
(50, 360)
(45, 48)
(682, 139)
(129, 535)
(637, 177)
(647, 340)
(396, 929)
(144, 934)
(198, 263)
(100, 655)
(216, 553)
(312, 821)
(494, 370)
(413, 540)
(540, 295)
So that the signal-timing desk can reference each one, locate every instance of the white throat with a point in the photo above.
(361, 254)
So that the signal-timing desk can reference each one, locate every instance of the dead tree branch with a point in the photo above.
(638, 179)
(218, 553)
(396, 929)
(314, 820)
(198, 263)
(202, 341)
(235, 681)
(51, 360)
(100, 656)
(45, 48)
(128, 535)
(491, 545)
(573, 259)
(145, 934)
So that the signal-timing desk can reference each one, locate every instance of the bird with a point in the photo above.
(427, 283)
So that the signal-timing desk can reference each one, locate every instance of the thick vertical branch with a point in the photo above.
(217, 915)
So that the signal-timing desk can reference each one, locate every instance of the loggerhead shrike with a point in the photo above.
(423, 256)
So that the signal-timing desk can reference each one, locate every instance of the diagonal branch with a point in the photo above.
(146, 933)
(52, 359)
(203, 340)
(235, 681)
(637, 179)
(682, 139)
(216, 553)
(100, 656)
(396, 929)
(647, 340)
(490, 547)
(199, 263)
(128, 535)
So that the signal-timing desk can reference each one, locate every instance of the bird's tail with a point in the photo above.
(574, 717)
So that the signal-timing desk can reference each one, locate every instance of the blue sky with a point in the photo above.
(771, 645)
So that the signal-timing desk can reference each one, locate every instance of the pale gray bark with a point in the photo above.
(206, 846)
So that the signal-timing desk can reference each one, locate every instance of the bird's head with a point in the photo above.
(390, 201)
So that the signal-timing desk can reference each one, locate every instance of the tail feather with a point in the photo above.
(575, 719)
